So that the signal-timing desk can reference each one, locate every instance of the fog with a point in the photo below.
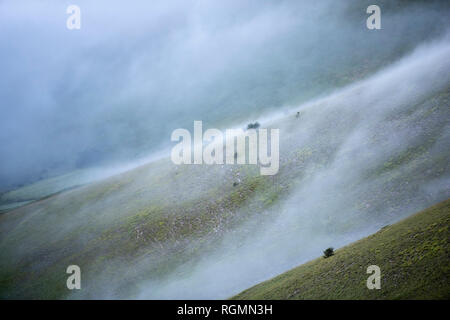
(370, 146)
(113, 91)
(322, 211)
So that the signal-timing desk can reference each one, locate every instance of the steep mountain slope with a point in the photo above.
(356, 160)
(412, 254)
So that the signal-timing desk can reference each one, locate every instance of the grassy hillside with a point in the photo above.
(413, 256)
(345, 171)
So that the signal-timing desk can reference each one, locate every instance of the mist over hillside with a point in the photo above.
(360, 159)
(87, 115)
(113, 91)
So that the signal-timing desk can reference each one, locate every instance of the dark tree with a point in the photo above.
(328, 252)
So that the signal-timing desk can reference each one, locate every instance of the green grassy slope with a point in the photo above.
(160, 216)
(149, 223)
(413, 256)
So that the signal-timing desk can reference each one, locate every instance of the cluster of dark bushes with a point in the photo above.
(253, 125)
